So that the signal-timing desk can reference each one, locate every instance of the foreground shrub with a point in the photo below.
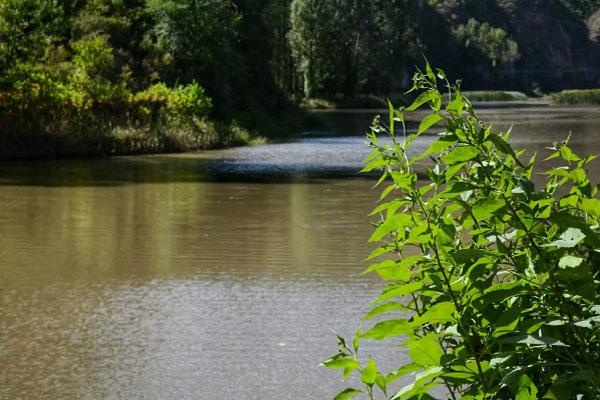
(577, 97)
(493, 282)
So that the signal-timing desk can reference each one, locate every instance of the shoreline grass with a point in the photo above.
(584, 97)
(494, 95)
(96, 141)
(380, 102)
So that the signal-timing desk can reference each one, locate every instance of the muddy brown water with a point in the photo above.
(199, 276)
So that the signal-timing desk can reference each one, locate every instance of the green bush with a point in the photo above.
(41, 116)
(493, 282)
(189, 99)
(577, 97)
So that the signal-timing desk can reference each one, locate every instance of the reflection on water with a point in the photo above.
(196, 276)
(178, 290)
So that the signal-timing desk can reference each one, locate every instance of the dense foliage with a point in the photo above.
(255, 57)
(111, 76)
(493, 285)
(493, 44)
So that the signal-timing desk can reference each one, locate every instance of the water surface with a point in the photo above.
(199, 276)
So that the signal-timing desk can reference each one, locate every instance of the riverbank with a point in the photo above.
(577, 97)
(49, 121)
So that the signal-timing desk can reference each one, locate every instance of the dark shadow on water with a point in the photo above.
(124, 171)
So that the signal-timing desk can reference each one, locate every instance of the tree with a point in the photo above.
(314, 40)
(27, 29)
(493, 43)
(200, 37)
(349, 46)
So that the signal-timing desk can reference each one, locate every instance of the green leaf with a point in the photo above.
(532, 340)
(587, 323)
(440, 312)
(424, 381)
(347, 373)
(591, 206)
(430, 73)
(341, 362)
(457, 188)
(527, 389)
(570, 262)
(347, 394)
(414, 389)
(429, 96)
(425, 351)
(567, 154)
(507, 322)
(500, 292)
(395, 270)
(570, 238)
(399, 290)
(390, 328)
(428, 122)
(443, 143)
(504, 147)
(457, 105)
(394, 223)
(465, 255)
(391, 116)
(453, 169)
(391, 271)
(376, 163)
(400, 372)
(500, 359)
(483, 209)
(460, 154)
(356, 341)
(567, 220)
(369, 373)
(378, 252)
(381, 383)
(384, 308)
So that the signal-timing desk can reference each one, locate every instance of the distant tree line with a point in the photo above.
(345, 47)
(260, 53)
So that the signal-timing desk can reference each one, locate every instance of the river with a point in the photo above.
(209, 275)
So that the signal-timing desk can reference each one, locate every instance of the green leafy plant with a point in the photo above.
(186, 100)
(492, 281)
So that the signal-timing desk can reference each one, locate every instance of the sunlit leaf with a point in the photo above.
(460, 154)
(386, 329)
(570, 262)
(369, 373)
(570, 238)
(428, 122)
(347, 394)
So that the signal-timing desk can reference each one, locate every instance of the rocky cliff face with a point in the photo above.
(593, 24)
(558, 41)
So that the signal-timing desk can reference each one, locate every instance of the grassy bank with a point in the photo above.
(577, 97)
(101, 134)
